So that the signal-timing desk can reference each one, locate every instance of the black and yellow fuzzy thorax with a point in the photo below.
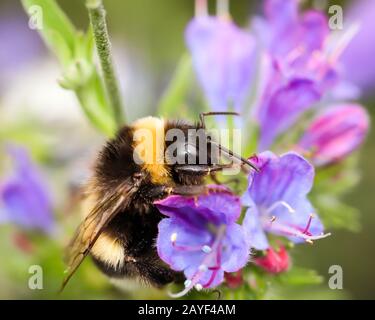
(141, 148)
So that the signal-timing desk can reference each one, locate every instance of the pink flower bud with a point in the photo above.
(274, 261)
(233, 279)
(335, 134)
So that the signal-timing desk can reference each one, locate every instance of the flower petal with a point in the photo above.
(256, 236)
(284, 108)
(294, 225)
(335, 133)
(235, 249)
(286, 178)
(177, 259)
(223, 201)
(224, 59)
(219, 206)
(24, 195)
(281, 13)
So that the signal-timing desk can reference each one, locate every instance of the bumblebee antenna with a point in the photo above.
(227, 151)
(215, 113)
(234, 155)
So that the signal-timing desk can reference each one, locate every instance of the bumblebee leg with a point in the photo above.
(195, 190)
(203, 169)
(161, 191)
(214, 178)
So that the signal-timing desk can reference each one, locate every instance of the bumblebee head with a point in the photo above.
(177, 151)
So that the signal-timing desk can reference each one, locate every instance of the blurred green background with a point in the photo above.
(148, 41)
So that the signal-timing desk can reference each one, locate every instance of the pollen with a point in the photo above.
(173, 237)
(206, 249)
(198, 287)
(187, 283)
(203, 268)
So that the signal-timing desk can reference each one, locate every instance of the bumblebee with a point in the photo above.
(120, 227)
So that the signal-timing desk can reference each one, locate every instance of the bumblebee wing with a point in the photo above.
(90, 229)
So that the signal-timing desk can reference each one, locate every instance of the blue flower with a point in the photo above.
(358, 58)
(224, 60)
(277, 201)
(297, 70)
(282, 105)
(24, 195)
(201, 237)
(303, 34)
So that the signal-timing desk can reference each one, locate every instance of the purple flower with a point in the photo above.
(224, 60)
(358, 58)
(20, 44)
(335, 133)
(282, 106)
(277, 200)
(201, 238)
(303, 36)
(298, 72)
(24, 196)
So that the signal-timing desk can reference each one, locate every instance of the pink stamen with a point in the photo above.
(306, 230)
(216, 268)
(295, 54)
(214, 254)
(201, 8)
(186, 248)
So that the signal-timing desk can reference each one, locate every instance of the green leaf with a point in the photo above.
(95, 111)
(74, 51)
(337, 179)
(299, 276)
(336, 214)
(175, 94)
(58, 32)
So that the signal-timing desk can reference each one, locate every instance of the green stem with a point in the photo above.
(173, 97)
(103, 45)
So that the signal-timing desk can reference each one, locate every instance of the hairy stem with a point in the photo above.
(103, 45)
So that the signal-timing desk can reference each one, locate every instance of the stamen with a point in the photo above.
(295, 54)
(215, 269)
(206, 249)
(222, 8)
(273, 218)
(187, 283)
(306, 230)
(198, 287)
(278, 204)
(173, 237)
(294, 231)
(342, 42)
(203, 268)
(187, 248)
(201, 8)
(213, 253)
